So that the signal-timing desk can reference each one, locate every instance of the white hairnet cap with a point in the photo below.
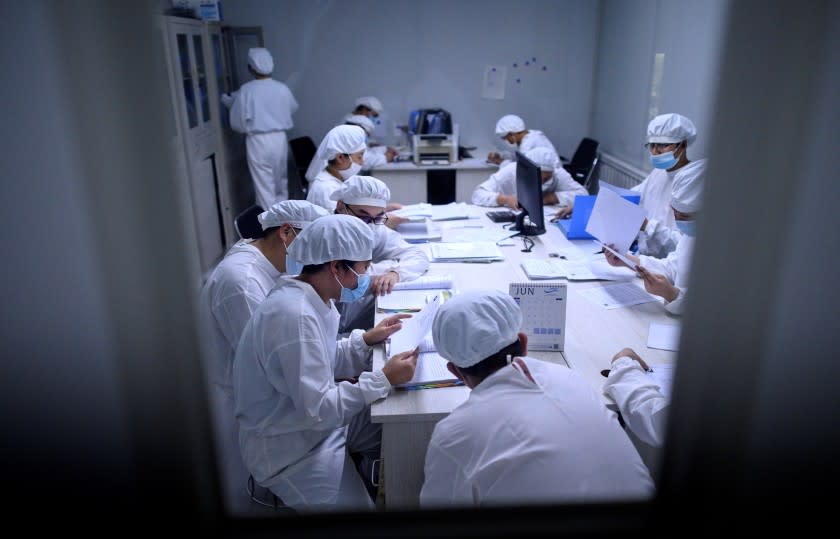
(362, 121)
(340, 139)
(543, 157)
(333, 237)
(473, 326)
(509, 124)
(687, 189)
(370, 102)
(670, 128)
(363, 191)
(260, 59)
(297, 213)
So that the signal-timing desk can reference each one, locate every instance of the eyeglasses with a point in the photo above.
(367, 219)
(659, 146)
(528, 243)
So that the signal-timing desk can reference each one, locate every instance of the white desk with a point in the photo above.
(593, 336)
(410, 183)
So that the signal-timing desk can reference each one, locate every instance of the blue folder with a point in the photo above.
(575, 227)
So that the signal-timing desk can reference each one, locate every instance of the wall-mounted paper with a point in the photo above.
(495, 78)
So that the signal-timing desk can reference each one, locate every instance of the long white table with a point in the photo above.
(593, 335)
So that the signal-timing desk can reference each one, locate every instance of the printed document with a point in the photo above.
(617, 295)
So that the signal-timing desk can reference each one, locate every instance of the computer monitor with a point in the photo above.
(530, 196)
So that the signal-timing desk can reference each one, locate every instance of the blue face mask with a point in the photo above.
(293, 267)
(350, 295)
(689, 228)
(663, 161)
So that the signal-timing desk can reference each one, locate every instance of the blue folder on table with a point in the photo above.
(575, 227)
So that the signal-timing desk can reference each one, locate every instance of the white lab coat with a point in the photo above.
(643, 407)
(320, 189)
(503, 182)
(375, 157)
(533, 139)
(514, 442)
(262, 109)
(676, 267)
(660, 236)
(293, 417)
(234, 290)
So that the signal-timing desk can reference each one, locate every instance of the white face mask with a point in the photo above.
(352, 171)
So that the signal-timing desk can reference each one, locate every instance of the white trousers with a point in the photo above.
(267, 156)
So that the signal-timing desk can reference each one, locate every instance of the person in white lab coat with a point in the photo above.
(237, 286)
(375, 156)
(262, 109)
(297, 426)
(668, 277)
(558, 186)
(370, 107)
(340, 156)
(641, 403)
(394, 260)
(530, 432)
(512, 130)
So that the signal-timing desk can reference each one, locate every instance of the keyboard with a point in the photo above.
(503, 216)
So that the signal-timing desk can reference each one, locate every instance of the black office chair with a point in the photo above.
(298, 186)
(246, 223)
(303, 149)
(583, 161)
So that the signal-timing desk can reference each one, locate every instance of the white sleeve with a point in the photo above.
(659, 238)
(232, 313)
(565, 187)
(352, 355)
(392, 253)
(666, 266)
(320, 196)
(445, 484)
(301, 369)
(677, 306)
(487, 191)
(642, 405)
(373, 160)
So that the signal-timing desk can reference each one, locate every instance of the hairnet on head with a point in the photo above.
(370, 102)
(333, 237)
(360, 120)
(671, 128)
(687, 189)
(363, 191)
(297, 213)
(473, 326)
(543, 157)
(509, 124)
(340, 139)
(260, 59)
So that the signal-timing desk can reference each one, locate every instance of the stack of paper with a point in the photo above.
(617, 295)
(431, 371)
(557, 269)
(403, 301)
(477, 233)
(418, 232)
(447, 212)
(466, 252)
(428, 281)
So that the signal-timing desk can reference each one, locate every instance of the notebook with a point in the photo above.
(557, 269)
(466, 252)
(574, 228)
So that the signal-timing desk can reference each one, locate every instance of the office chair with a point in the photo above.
(583, 161)
(298, 186)
(303, 149)
(246, 223)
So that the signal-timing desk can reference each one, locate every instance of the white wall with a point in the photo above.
(432, 53)
(631, 34)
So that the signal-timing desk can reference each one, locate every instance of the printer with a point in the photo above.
(433, 137)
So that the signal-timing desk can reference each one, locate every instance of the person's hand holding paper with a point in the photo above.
(615, 222)
(414, 329)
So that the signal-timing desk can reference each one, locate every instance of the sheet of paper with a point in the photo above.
(414, 329)
(615, 221)
(409, 300)
(495, 78)
(614, 188)
(602, 270)
(448, 212)
(466, 250)
(663, 375)
(617, 295)
(664, 336)
(430, 368)
(465, 235)
(422, 209)
(620, 255)
(429, 281)
(427, 344)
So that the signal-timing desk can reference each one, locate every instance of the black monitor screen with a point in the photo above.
(530, 196)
